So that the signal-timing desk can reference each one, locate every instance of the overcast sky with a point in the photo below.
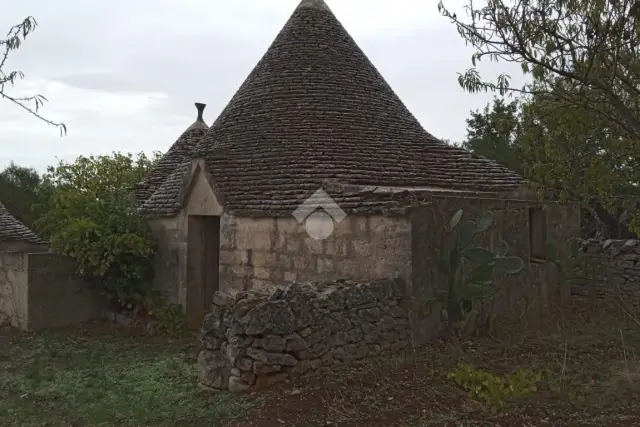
(123, 75)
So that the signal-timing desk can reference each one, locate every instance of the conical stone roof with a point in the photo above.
(314, 109)
(12, 230)
(180, 151)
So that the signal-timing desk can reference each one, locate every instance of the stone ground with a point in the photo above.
(102, 375)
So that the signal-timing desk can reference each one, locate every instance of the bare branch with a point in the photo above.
(593, 44)
(14, 38)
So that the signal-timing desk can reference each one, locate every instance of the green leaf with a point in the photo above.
(455, 219)
(485, 222)
(475, 292)
(482, 274)
(510, 264)
(502, 249)
(465, 234)
(478, 255)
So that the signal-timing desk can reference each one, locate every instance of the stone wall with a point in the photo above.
(430, 224)
(14, 289)
(170, 263)
(256, 252)
(40, 290)
(611, 270)
(13, 246)
(253, 339)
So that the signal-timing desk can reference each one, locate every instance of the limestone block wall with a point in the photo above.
(258, 252)
(57, 296)
(256, 338)
(171, 257)
(13, 246)
(13, 289)
(431, 234)
(40, 291)
(611, 270)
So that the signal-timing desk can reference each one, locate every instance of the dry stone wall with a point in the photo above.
(256, 338)
(611, 269)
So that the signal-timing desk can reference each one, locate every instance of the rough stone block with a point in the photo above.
(264, 259)
(304, 263)
(325, 265)
(343, 228)
(313, 246)
(336, 247)
(294, 244)
(361, 248)
(261, 273)
(228, 257)
(280, 242)
(241, 270)
(347, 268)
(288, 226)
(263, 241)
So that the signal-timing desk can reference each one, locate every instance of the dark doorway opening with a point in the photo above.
(203, 259)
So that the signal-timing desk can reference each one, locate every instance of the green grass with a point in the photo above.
(104, 379)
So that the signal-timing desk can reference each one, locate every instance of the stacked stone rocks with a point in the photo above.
(611, 269)
(254, 339)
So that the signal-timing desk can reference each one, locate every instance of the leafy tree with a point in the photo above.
(23, 192)
(580, 118)
(492, 133)
(92, 218)
(571, 153)
(564, 153)
(14, 39)
(584, 52)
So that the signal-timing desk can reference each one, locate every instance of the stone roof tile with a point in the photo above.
(177, 154)
(12, 230)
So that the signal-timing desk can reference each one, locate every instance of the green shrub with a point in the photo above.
(169, 316)
(492, 390)
(91, 217)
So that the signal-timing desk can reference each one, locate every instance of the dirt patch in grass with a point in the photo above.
(589, 357)
(102, 375)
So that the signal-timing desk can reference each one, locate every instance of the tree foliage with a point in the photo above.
(564, 153)
(92, 217)
(492, 133)
(579, 114)
(13, 41)
(584, 52)
(23, 192)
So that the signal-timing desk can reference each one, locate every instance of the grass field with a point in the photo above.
(101, 375)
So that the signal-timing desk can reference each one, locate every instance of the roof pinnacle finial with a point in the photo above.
(200, 107)
(315, 4)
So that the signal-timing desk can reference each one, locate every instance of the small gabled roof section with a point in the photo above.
(177, 192)
(179, 152)
(12, 230)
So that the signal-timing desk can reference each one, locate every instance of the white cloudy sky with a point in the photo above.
(123, 75)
